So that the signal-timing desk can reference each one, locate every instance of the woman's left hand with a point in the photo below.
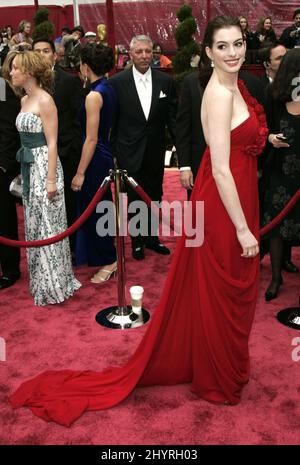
(77, 182)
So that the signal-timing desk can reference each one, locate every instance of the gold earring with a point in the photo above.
(85, 82)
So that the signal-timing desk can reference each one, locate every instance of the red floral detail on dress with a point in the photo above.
(257, 147)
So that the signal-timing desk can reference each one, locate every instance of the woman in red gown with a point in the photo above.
(200, 330)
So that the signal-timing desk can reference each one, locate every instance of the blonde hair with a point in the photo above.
(32, 63)
(6, 69)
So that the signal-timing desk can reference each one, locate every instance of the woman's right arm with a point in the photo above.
(220, 106)
(93, 105)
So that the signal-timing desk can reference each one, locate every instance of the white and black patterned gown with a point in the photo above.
(50, 268)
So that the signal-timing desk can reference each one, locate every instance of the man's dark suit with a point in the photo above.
(68, 97)
(287, 40)
(190, 142)
(139, 144)
(264, 82)
(9, 168)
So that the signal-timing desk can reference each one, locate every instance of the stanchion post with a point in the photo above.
(290, 317)
(121, 316)
(120, 241)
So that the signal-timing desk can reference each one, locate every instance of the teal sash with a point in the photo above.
(29, 140)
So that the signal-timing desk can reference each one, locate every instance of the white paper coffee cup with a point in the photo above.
(136, 294)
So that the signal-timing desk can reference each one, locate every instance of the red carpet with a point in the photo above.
(67, 336)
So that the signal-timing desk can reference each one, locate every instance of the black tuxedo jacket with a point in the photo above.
(132, 134)
(265, 84)
(9, 136)
(190, 142)
(68, 97)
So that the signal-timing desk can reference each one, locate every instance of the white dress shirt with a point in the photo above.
(143, 84)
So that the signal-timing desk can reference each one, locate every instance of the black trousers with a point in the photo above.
(69, 166)
(9, 256)
(150, 178)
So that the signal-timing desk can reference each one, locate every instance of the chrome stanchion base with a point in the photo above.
(121, 317)
(290, 317)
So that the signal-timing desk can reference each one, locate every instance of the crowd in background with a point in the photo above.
(70, 40)
(68, 45)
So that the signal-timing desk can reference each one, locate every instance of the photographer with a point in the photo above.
(290, 37)
(71, 43)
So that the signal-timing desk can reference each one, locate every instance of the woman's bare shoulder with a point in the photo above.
(93, 101)
(45, 99)
(46, 105)
(217, 93)
(93, 96)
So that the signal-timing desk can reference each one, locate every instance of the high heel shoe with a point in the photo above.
(272, 291)
(98, 278)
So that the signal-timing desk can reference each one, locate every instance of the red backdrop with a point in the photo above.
(156, 18)
(60, 16)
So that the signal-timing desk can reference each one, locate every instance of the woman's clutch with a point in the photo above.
(15, 187)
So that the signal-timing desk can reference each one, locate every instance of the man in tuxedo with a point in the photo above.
(9, 168)
(271, 57)
(190, 142)
(147, 103)
(68, 97)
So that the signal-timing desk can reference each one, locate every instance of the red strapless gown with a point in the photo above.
(199, 332)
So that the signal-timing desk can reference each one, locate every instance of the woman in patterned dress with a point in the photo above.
(50, 268)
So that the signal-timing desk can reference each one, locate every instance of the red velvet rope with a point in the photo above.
(282, 214)
(52, 240)
(98, 196)
(157, 211)
(263, 231)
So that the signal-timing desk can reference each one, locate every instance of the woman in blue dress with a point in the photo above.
(96, 160)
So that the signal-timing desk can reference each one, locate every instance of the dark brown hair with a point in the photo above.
(99, 57)
(219, 22)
